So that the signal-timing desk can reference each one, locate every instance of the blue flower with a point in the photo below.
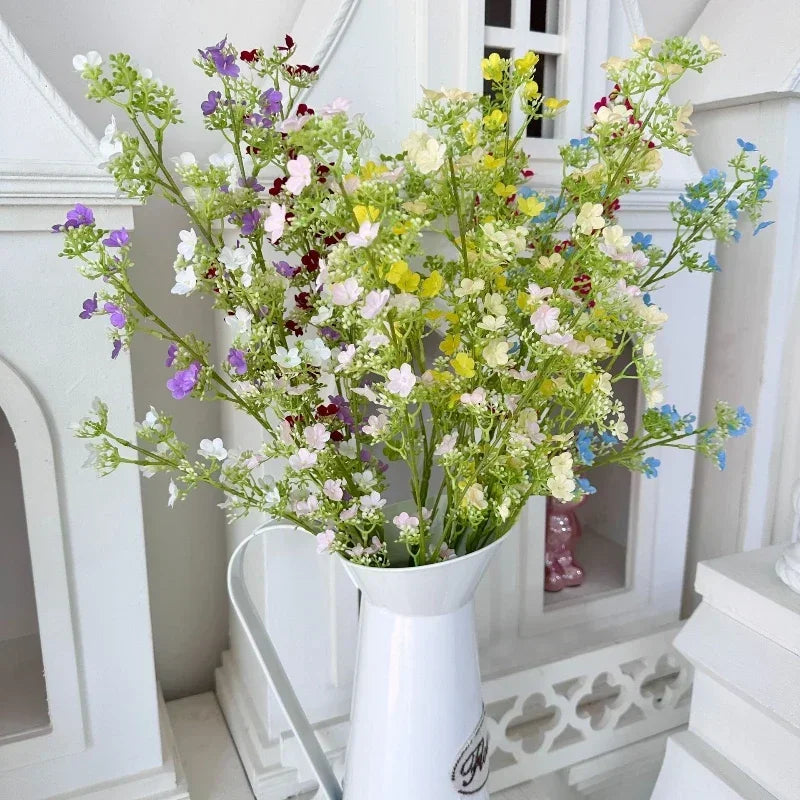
(670, 413)
(651, 466)
(646, 299)
(732, 207)
(712, 263)
(743, 422)
(608, 438)
(712, 175)
(737, 235)
(761, 225)
(696, 204)
(579, 142)
(643, 240)
(722, 459)
(584, 445)
(748, 147)
(585, 486)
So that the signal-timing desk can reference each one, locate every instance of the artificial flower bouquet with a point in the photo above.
(428, 307)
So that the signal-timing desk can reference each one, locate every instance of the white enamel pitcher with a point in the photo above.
(417, 727)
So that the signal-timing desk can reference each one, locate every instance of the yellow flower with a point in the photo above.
(451, 317)
(500, 283)
(454, 398)
(400, 228)
(415, 207)
(440, 376)
(504, 190)
(450, 344)
(371, 170)
(464, 365)
(432, 285)
(402, 277)
(490, 162)
(523, 301)
(495, 120)
(527, 62)
(470, 132)
(588, 382)
(530, 206)
(553, 104)
(493, 67)
(530, 91)
(366, 213)
(548, 388)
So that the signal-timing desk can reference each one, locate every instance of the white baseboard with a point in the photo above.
(167, 782)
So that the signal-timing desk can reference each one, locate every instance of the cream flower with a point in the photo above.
(495, 354)
(425, 152)
(475, 497)
(590, 218)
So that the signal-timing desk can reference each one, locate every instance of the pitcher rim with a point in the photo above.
(457, 560)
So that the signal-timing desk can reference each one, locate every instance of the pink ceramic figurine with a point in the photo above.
(562, 530)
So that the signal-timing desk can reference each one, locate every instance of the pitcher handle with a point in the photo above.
(268, 658)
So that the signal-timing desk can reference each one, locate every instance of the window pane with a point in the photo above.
(545, 75)
(544, 16)
(487, 51)
(498, 13)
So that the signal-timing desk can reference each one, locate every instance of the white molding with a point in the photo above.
(66, 733)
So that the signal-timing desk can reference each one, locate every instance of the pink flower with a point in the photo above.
(477, 397)
(275, 221)
(557, 339)
(374, 302)
(405, 520)
(325, 540)
(346, 292)
(299, 174)
(545, 319)
(447, 444)
(302, 459)
(366, 233)
(401, 381)
(332, 489)
(316, 436)
(337, 106)
(348, 513)
(346, 356)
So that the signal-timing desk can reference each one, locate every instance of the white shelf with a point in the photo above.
(23, 694)
(604, 563)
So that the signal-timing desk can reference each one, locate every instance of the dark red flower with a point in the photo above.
(289, 43)
(327, 410)
(527, 173)
(311, 261)
(337, 436)
(303, 109)
(302, 301)
(293, 420)
(249, 55)
(277, 186)
(335, 238)
(292, 326)
(582, 284)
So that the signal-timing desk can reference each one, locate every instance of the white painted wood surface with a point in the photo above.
(744, 729)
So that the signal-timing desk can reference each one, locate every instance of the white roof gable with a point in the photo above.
(46, 152)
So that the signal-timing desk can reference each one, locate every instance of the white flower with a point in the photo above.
(709, 45)
(316, 435)
(242, 318)
(545, 319)
(91, 59)
(469, 286)
(213, 448)
(299, 174)
(504, 509)
(401, 381)
(475, 497)
(286, 359)
(187, 244)
(364, 480)
(371, 500)
(366, 234)
(275, 221)
(346, 292)
(325, 539)
(561, 487)
(225, 161)
(185, 281)
(590, 218)
(374, 303)
(477, 397)
(366, 391)
(236, 259)
(324, 313)
(316, 352)
(332, 489)
(620, 428)
(346, 356)
(404, 303)
(495, 354)
(425, 152)
(173, 494)
(338, 106)
(447, 444)
(110, 145)
(151, 421)
(186, 159)
(302, 459)
(537, 293)
(376, 424)
(375, 340)
(405, 520)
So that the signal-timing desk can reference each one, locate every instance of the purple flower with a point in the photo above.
(382, 466)
(116, 314)
(256, 120)
(271, 101)
(249, 221)
(210, 106)
(237, 361)
(89, 307)
(343, 412)
(76, 218)
(184, 380)
(251, 183)
(118, 238)
(285, 268)
(365, 455)
(172, 352)
(117, 347)
(329, 333)
(225, 64)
